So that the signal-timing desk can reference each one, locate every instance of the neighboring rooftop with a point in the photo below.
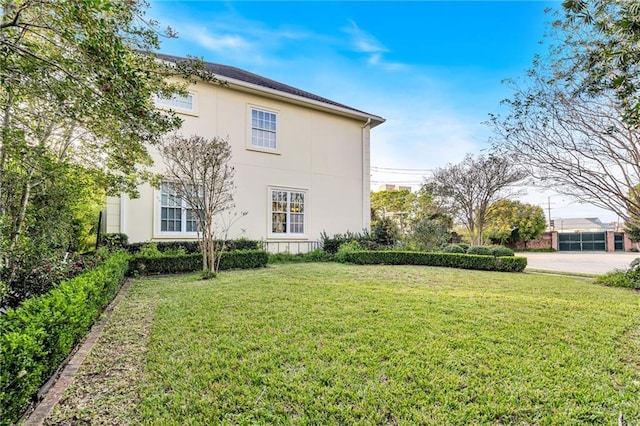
(587, 224)
(226, 71)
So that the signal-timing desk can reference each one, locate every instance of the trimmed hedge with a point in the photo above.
(240, 259)
(480, 250)
(37, 336)
(453, 248)
(449, 260)
(193, 247)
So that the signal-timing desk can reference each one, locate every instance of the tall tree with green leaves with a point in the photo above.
(510, 221)
(77, 87)
(602, 38)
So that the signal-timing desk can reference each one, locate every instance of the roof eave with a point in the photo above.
(300, 100)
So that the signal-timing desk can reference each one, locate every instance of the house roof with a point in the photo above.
(249, 80)
(579, 224)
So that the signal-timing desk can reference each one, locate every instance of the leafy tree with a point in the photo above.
(602, 39)
(398, 205)
(470, 187)
(77, 82)
(385, 231)
(568, 122)
(509, 221)
(198, 170)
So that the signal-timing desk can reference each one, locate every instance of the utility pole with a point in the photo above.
(549, 210)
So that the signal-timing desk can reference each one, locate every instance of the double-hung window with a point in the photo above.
(287, 212)
(264, 125)
(177, 102)
(176, 215)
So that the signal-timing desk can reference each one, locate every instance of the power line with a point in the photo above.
(401, 169)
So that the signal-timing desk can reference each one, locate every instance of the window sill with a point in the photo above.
(263, 150)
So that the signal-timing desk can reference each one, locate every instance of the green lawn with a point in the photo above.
(336, 344)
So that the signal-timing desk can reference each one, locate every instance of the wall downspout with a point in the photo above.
(365, 176)
(122, 213)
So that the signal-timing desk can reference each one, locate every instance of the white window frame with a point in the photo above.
(290, 218)
(176, 103)
(259, 126)
(184, 209)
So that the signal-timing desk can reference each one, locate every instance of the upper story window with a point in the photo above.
(177, 102)
(263, 129)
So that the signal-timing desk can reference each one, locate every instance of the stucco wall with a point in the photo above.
(318, 152)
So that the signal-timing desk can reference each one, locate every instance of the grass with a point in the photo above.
(327, 343)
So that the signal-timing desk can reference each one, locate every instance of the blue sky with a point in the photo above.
(433, 69)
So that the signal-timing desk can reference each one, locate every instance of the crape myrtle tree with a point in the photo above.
(198, 171)
(470, 187)
(77, 82)
(573, 120)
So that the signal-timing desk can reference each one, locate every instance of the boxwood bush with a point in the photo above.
(480, 250)
(193, 247)
(37, 336)
(192, 262)
(450, 260)
(502, 251)
(453, 248)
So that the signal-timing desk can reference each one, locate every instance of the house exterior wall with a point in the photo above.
(317, 152)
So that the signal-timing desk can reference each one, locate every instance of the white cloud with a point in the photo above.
(216, 42)
(364, 42)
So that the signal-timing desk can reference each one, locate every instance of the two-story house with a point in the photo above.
(301, 162)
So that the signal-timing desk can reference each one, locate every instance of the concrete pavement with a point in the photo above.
(579, 262)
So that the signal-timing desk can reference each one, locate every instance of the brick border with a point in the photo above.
(56, 386)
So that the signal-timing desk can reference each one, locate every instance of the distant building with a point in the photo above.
(588, 224)
(390, 187)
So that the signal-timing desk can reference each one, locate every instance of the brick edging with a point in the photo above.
(55, 387)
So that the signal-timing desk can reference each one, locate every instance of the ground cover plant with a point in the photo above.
(328, 343)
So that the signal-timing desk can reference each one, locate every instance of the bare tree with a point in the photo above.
(577, 144)
(198, 171)
(470, 187)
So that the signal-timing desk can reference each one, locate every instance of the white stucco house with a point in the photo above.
(301, 162)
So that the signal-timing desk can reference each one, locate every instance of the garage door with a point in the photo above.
(583, 241)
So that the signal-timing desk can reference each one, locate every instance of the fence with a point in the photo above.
(293, 247)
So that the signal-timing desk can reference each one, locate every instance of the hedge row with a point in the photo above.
(242, 259)
(38, 335)
(449, 260)
(193, 246)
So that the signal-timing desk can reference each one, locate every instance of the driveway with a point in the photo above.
(580, 262)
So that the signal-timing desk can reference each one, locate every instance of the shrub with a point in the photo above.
(616, 278)
(385, 232)
(193, 246)
(38, 335)
(29, 281)
(465, 246)
(192, 262)
(453, 248)
(114, 241)
(502, 251)
(345, 248)
(317, 255)
(332, 244)
(450, 260)
(479, 250)
(621, 278)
